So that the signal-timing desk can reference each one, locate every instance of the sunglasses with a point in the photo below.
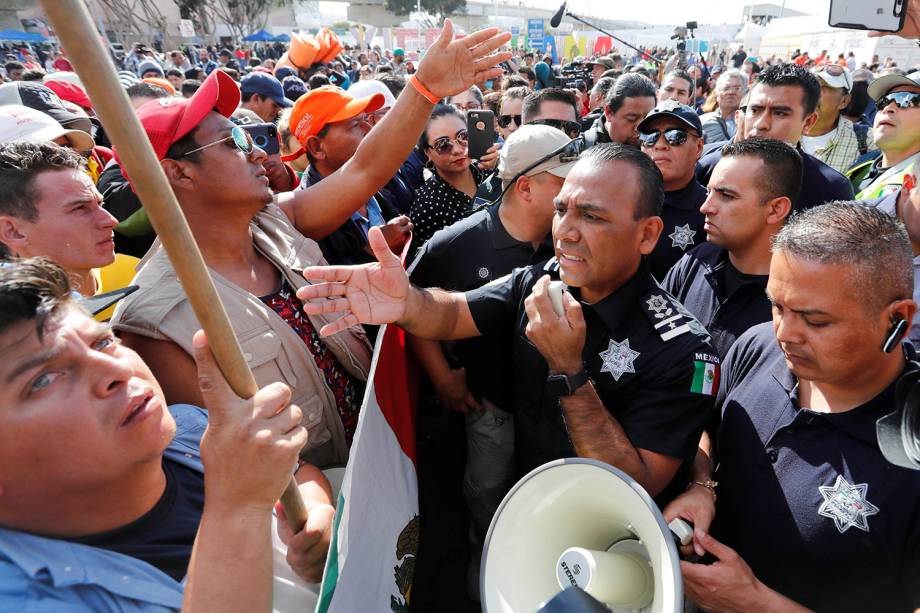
(904, 100)
(443, 145)
(238, 135)
(572, 129)
(674, 137)
(568, 152)
(505, 120)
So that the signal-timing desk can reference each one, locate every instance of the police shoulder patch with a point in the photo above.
(669, 317)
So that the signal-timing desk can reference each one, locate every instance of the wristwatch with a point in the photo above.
(561, 384)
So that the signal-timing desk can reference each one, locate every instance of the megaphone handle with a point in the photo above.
(681, 530)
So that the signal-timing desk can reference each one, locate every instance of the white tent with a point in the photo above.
(750, 36)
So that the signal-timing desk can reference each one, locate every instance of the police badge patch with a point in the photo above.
(847, 505)
(618, 359)
(682, 237)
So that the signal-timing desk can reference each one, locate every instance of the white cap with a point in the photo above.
(64, 75)
(363, 89)
(19, 122)
(528, 144)
(842, 81)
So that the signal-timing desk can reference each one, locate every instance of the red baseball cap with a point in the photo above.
(71, 92)
(166, 120)
(325, 105)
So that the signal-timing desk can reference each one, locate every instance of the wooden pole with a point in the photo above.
(77, 34)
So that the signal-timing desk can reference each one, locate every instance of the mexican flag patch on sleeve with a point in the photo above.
(705, 378)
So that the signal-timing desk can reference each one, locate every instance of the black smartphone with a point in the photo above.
(881, 15)
(480, 127)
(265, 137)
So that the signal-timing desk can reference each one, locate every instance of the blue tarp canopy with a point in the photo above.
(18, 35)
(260, 36)
(283, 38)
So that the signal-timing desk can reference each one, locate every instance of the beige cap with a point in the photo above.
(528, 144)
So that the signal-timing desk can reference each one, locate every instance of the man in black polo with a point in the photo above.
(624, 375)
(672, 136)
(782, 105)
(485, 246)
(809, 512)
(722, 280)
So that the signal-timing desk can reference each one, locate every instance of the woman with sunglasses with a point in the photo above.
(448, 195)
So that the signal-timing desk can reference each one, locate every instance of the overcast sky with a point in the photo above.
(667, 12)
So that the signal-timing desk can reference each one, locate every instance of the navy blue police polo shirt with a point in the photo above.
(806, 498)
(683, 227)
(726, 301)
(820, 182)
(467, 255)
(649, 360)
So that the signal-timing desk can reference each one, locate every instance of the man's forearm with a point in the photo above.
(436, 314)
(319, 210)
(596, 434)
(231, 564)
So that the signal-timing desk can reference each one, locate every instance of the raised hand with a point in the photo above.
(452, 66)
(366, 294)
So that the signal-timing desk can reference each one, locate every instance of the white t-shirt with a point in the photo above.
(811, 144)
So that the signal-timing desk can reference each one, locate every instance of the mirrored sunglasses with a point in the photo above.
(674, 137)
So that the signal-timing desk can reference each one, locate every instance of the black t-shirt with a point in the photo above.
(807, 498)
(734, 278)
(683, 227)
(467, 255)
(643, 350)
(164, 536)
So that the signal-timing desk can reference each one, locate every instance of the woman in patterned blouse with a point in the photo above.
(447, 196)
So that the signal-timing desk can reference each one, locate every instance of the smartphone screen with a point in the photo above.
(881, 15)
(480, 126)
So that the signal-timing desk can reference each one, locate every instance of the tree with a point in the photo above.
(132, 18)
(243, 17)
(440, 8)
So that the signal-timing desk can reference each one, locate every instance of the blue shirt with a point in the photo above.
(42, 574)
(726, 307)
(806, 498)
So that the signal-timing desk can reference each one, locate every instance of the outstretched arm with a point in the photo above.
(380, 293)
(449, 67)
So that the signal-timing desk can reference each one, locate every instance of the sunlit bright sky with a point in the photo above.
(665, 12)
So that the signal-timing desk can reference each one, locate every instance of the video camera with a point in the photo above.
(899, 432)
(576, 75)
(681, 33)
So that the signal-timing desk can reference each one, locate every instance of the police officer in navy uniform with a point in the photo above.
(722, 281)
(672, 135)
(625, 375)
(809, 513)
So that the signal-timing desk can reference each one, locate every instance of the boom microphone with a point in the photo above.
(557, 18)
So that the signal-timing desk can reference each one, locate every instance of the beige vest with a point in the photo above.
(161, 310)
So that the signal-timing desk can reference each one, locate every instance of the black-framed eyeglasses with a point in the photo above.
(572, 129)
(569, 152)
(238, 135)
(444, 144)
(903, 100)
(505, 120)
(674, 137)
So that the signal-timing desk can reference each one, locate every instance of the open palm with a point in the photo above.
(452, 66)
(367, 294)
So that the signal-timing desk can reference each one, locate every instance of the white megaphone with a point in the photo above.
(584, 523)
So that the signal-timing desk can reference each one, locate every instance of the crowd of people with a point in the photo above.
(738, 238)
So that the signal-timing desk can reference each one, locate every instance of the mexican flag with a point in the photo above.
(705, 378)
(372, 554)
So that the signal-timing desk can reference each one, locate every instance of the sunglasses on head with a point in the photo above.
(238, 135)
(569, 152)
(674, 137)
(572, 129)
(903, 100)
(444, 144)
(505, 120)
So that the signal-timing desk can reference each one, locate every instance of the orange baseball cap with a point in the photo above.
(325, 105)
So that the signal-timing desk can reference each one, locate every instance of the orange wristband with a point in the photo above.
(417, 85)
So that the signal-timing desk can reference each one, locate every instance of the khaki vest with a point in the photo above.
(161, 310)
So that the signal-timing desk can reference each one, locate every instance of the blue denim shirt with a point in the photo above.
(42, 574)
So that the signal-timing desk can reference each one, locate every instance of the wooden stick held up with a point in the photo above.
(78, 35)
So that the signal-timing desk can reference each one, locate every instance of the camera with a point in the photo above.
(898, 432)
(576, 75)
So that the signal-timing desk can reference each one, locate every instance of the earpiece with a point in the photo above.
(895, 334)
